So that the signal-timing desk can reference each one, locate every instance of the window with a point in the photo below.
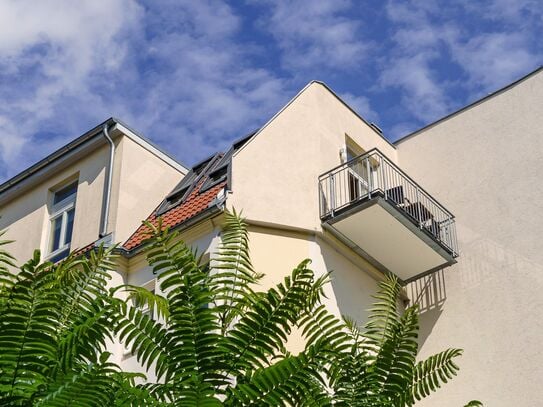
(61, 222)
(146, 310)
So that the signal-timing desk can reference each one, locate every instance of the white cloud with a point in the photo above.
(176, 70)
(317, 33)
(422, 93)
(361, 105)
(430, 37)
(494, 59)
(48, 51)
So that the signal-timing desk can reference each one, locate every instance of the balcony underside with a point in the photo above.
(389, 239)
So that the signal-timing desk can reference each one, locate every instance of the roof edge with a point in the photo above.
(353, 111)
(80, 141)
(471, 105)
(55, 155)
(296, 97)
(146, 143)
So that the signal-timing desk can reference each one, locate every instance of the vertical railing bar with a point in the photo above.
(336, 191)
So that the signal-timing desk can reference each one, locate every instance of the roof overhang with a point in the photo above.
(71, 152)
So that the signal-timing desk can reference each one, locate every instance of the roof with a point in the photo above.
(196, 204)
(80, 142)
(197, 195)
(473, 104)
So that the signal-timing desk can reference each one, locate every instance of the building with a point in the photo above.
(317, 181)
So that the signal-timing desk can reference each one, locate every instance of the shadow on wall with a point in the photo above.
(429, 293)
(351, 289)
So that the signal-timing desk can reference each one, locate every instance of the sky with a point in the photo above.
(192, 76)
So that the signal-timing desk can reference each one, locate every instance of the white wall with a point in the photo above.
(485, 165)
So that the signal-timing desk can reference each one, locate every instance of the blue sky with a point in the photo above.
(194, 75)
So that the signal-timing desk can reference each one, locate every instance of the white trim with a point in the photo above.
(58, 251)
(60, 210)
(149, 147)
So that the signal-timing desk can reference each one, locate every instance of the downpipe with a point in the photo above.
(107, 191)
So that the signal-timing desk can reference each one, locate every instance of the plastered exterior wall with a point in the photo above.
(275, 175)
(141, 182)
(277, 252)
(485, 164)
(27, 216)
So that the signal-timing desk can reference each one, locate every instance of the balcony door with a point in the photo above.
(357, 176)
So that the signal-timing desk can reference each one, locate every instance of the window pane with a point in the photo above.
(55, 229)
(69, 226)
(63, 254)
(64, 193)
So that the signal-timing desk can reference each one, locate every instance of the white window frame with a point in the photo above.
(60, 209)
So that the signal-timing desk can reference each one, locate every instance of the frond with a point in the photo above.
(82, 281)
(394, 365)
(130, 394)
(264, 327)
(291, 381)
(28, 331)
(384, 315)
(431, 373)
(233, 273)
(7, 278)
(147, 339)
(321, 324)
(194, 355)
(93, 385)
(145, 299)
(474, 403)
(87, 336)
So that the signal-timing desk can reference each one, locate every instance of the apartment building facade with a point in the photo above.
(317, 181)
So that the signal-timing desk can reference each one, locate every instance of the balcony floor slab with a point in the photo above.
(384, 235)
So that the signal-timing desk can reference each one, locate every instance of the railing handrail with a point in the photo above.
(378, 152)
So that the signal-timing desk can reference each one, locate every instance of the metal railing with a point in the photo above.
(371, 175)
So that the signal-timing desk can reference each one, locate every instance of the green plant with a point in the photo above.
(377, 366)
(54, 321)
(220, 342)
(217, 340)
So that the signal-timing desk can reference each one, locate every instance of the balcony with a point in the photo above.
(374, 207)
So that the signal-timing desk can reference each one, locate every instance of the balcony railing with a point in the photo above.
(373, 175)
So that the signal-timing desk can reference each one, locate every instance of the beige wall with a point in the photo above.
(143, 182)
(485, 164)
(275, 175)
(27, 216)
(277, 252)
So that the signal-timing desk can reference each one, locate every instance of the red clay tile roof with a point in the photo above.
(193, 205)
(84, 249)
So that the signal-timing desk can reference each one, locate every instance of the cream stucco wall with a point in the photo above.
(485, 164)
(275, 175)
(27, 216)
(139, 183)
(276, 252)
(142, 181)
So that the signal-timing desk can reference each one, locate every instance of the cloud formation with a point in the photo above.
(193, 76)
